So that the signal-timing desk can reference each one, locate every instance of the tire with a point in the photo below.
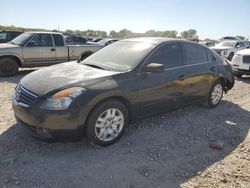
(230, 57)
(101, 129)
(215, 94)
(8, 67)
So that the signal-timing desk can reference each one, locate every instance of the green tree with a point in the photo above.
(189, 34)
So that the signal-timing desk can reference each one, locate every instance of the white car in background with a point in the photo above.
(228, 48)
(241, 63)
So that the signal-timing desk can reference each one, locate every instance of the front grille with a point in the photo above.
(24, 96)
(246, 59)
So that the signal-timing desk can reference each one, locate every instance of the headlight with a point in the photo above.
(62, 99)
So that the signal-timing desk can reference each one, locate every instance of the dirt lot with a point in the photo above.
(169, 150)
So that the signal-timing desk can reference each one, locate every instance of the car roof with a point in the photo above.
(233, 41)
(11, 31)
(44, 32)
(155, 40)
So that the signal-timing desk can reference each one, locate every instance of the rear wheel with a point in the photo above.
(215, 94)
(107, 123)
(8, 67)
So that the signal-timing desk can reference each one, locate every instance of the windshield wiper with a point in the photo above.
(94, 66)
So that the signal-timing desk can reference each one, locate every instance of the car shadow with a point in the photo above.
(164, 151)
(15, 79)
(245, 78)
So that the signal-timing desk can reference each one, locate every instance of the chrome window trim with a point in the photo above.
(188, 65)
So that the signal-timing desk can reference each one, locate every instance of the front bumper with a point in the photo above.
(45, 124)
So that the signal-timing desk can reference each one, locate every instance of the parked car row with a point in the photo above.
(79, 40)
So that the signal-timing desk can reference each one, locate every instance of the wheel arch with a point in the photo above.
(119, 98)
(16, 58)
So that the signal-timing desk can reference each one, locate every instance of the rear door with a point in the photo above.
(200, 70)
(165, 90)
(40, 50)
(61, 49)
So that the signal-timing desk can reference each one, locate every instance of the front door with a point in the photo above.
(165, 90)
(39, 50)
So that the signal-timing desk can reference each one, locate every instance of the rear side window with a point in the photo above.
(170, 55)
(210, 56)
(194, 54)
(3, 36)
(58, 40)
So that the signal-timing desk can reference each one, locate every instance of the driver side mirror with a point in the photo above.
(237, 45)
(31, 43)
(154, 67)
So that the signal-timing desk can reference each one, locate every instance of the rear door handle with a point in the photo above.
(181, 77)
(53, 49)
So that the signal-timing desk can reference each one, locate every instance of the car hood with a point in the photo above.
(221, 48)
(8, 46)
(46, 80)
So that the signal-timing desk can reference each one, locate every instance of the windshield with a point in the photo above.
(102, 42)
(119, 56)
(228, 44)
(22, 39)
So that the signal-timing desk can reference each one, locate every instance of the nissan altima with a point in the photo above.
(130, 79)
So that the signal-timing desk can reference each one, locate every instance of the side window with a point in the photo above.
(194, 53)
(3, 36)
(210, 56)
(170, 55)
(58, 40)
(42, 40)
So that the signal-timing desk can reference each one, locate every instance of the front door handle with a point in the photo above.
(53, 49)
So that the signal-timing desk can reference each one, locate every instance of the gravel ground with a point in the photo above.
(168, 150)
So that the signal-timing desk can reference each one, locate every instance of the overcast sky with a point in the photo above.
(211, 18)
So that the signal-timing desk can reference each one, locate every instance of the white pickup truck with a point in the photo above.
(35, 49)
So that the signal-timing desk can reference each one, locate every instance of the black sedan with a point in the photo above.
(6, 36)
(127, 80)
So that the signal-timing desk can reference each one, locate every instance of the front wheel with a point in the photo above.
(215, 94)
(107, 123)
(8, 67)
